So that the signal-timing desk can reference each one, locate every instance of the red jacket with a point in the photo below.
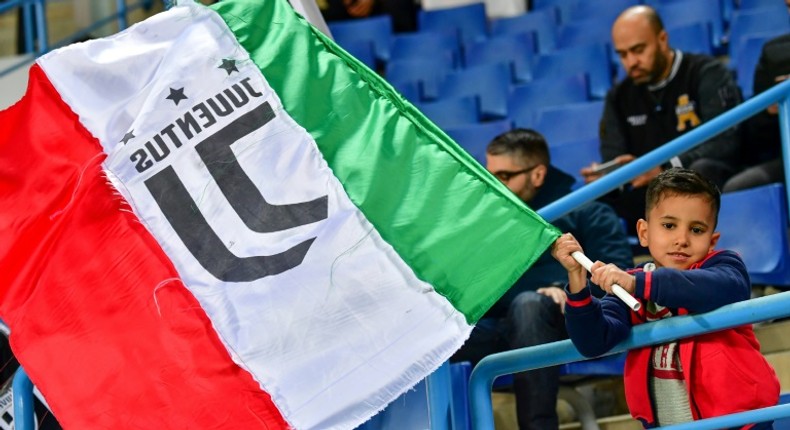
(720, 380)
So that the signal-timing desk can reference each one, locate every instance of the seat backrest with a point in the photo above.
(771, 20)
(571, 156)
(376, 29)
(542, 22)
(750, 49)
(681, 13)
(755, 4)
(596, 10)
(527, 99)
(490, 82)
(517, 50)
(452, 112)
(408, 89)
(695, 38)
(754, 223)
(474, 138)
(362, 50)
(570, 122)
(425, 45)
(468, 21)
(579, 33)
(593, 59)
(426, 72)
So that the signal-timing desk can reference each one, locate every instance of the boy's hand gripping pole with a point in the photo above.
(616, 289)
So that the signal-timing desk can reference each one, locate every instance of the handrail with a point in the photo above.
(561, 352)
(679, 145)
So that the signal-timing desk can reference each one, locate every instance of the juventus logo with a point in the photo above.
(258, 215)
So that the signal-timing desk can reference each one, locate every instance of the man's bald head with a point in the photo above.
(642, 43)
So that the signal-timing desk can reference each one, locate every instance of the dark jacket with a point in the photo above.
(724, 371)
(639, 118)
(594, 224)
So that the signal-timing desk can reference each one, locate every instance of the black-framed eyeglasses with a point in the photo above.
(507, 175)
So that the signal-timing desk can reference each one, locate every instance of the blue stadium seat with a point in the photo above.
(526, 99)
(755, 4)
(377, 29)
(749, 49)
(362, 50)
(695, 38)
(408, 89)
(426, 72)
(744, 23)
(594, 59)
(468, 21)
(680, 13)
(474, 138)
(754, 223)
(596, 10)
(425, 45)
(517, 50)
(569, 122)
(580, 33)
(542, 22)
(570, 157)
(491, 83)
(452, 112)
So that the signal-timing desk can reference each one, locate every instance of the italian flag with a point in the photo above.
(219, 219)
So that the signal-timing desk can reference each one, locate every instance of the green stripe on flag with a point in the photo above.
(457, 227)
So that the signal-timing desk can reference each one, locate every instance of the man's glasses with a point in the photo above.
(507, 175)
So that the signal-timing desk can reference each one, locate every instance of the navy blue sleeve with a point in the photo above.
(721, 279)
(596, 326)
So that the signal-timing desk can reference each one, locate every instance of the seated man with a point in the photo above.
(666, 93)
(531, 312)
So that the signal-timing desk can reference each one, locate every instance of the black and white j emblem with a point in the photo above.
(246, 200)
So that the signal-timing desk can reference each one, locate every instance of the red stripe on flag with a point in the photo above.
(98, 316)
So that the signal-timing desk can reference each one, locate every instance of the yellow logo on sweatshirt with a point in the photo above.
(685, 113)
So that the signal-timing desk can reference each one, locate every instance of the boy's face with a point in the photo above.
(678, 231)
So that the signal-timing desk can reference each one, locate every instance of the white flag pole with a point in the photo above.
(616, 289)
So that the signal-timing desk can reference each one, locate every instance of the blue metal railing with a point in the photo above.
(751, 311)
(36, 42)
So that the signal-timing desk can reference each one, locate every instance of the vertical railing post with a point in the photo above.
(784, 131)
(24, 411)
(122, 22)
(27, 26)
(40, 9)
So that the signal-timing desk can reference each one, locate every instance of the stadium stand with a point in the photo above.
(542, 22)
(517, 50)
(490, 82)
(469, 21)
(452, 112)
(377, 30)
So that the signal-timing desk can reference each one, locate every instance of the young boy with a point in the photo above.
(694, 378)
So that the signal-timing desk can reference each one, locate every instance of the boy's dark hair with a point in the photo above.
(682, 182)
(523, 143)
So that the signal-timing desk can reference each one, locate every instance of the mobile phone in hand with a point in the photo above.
(605, 168)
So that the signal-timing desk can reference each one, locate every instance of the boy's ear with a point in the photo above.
(641, 232)
(714, 239)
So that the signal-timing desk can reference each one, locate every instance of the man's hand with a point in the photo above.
(645, 178)
(590, 174)
(358, 8)
(606, 275)
(554, 293)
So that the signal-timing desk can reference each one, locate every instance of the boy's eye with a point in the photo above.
(668, 225)
(697, 230)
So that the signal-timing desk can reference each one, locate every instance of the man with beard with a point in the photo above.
(666, 93)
